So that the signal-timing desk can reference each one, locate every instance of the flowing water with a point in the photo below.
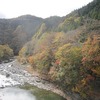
(27, 93)
(15, 94)
(13, 87)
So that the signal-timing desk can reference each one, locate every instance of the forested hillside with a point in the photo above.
(5, 52)
(64, 50)
(17, 31)
(69, 54)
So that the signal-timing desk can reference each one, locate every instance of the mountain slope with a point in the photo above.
(69, 54)
(17, 31)
(92, 10)
(64, 50)
(81, 16)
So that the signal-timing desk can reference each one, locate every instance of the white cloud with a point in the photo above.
(2, 15)
(41, 8)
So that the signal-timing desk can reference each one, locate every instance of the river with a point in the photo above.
(18, 84)
(34, 93)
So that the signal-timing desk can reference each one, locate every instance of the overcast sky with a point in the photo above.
(39, 8)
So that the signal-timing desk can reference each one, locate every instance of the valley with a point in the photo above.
(60, 54)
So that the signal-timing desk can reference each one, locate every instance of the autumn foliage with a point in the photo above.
(5, 52)
(69, 53)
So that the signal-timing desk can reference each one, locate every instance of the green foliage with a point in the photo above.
(5, 52)
(91, 53)
(16, 32)
(69, 61)
(70, 23)
(92, 10)
(91, 66)
(70, 54)
(67, 57)
(41, 30)
(43, 63)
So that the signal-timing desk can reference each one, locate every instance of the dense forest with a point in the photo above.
(5, 52)
(64, 50)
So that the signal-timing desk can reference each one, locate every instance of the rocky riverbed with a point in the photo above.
(13, 73)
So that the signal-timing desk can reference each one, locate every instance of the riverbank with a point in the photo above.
(19, 74)
(50, 86)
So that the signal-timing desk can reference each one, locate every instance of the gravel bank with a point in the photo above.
(13, 73)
